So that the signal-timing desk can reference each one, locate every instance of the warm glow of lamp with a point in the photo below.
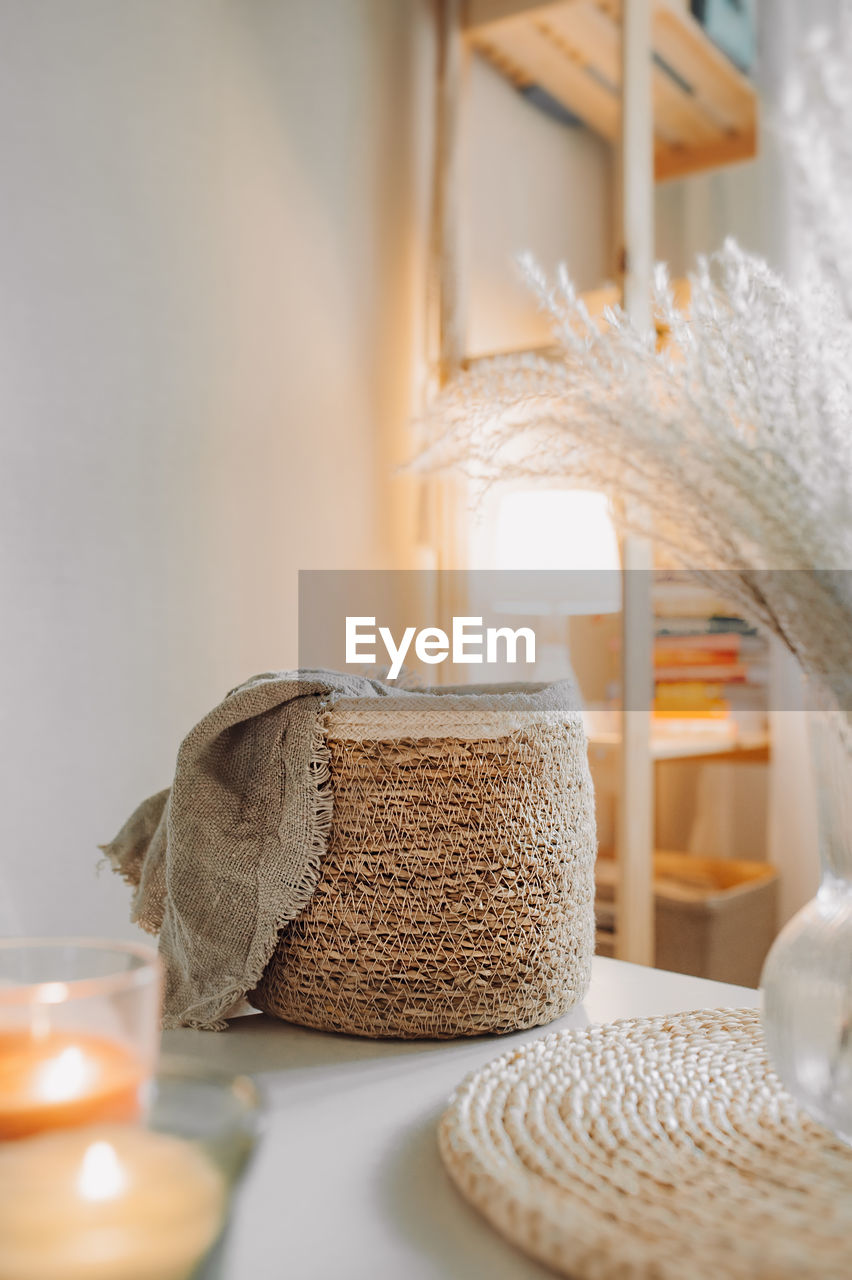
(551, 553)
(557, 548)
(557, 530)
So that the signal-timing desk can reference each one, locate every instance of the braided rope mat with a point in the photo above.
(662, 1148)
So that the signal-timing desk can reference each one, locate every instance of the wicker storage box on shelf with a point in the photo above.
(456, 894)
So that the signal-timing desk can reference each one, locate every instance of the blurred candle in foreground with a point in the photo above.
(79, 1032)
(63, 1079)
(107, 1203)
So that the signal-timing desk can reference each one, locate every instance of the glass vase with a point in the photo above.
(807, 978)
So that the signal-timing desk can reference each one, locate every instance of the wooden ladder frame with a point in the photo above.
(634, 936)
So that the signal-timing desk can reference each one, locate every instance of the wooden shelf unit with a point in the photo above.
(705, 110)
(643, 74)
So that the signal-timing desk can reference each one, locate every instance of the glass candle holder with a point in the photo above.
(131, 1202)
(79, 1032)
(221, 1113)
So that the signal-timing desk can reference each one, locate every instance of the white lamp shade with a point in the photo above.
(555, 552)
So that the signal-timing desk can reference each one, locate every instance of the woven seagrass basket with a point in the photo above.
(456, 893)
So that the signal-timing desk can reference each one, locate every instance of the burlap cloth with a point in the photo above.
(230, 853)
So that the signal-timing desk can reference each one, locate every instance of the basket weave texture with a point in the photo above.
(456, 894)
(653, 1149)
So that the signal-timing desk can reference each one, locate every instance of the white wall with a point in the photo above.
(208, 285)
(531, 184)
(212, 238)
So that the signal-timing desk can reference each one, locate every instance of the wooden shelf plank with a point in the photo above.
(547, 353)
(681, 42)
(705, 110)
(749, 749)
(526, 52)
(482, 13)
(753, 750)
(680, 162)
(594, 38)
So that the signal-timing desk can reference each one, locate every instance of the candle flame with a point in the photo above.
(52, 992)
(65, 1076)
(101, 1176)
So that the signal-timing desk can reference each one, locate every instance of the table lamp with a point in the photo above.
(551, 553)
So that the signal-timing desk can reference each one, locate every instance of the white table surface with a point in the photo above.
(347, 1181)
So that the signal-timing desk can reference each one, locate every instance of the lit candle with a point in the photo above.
(108, 1203)
(62, 1079)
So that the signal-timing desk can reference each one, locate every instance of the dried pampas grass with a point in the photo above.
(732, 445)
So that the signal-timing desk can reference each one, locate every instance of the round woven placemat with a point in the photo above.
(654, 1147)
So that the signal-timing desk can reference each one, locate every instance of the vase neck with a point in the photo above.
(832, 763)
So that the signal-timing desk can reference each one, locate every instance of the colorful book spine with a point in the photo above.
(720, 673)
(692, 625)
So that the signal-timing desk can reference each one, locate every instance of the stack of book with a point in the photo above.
(710, 665)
